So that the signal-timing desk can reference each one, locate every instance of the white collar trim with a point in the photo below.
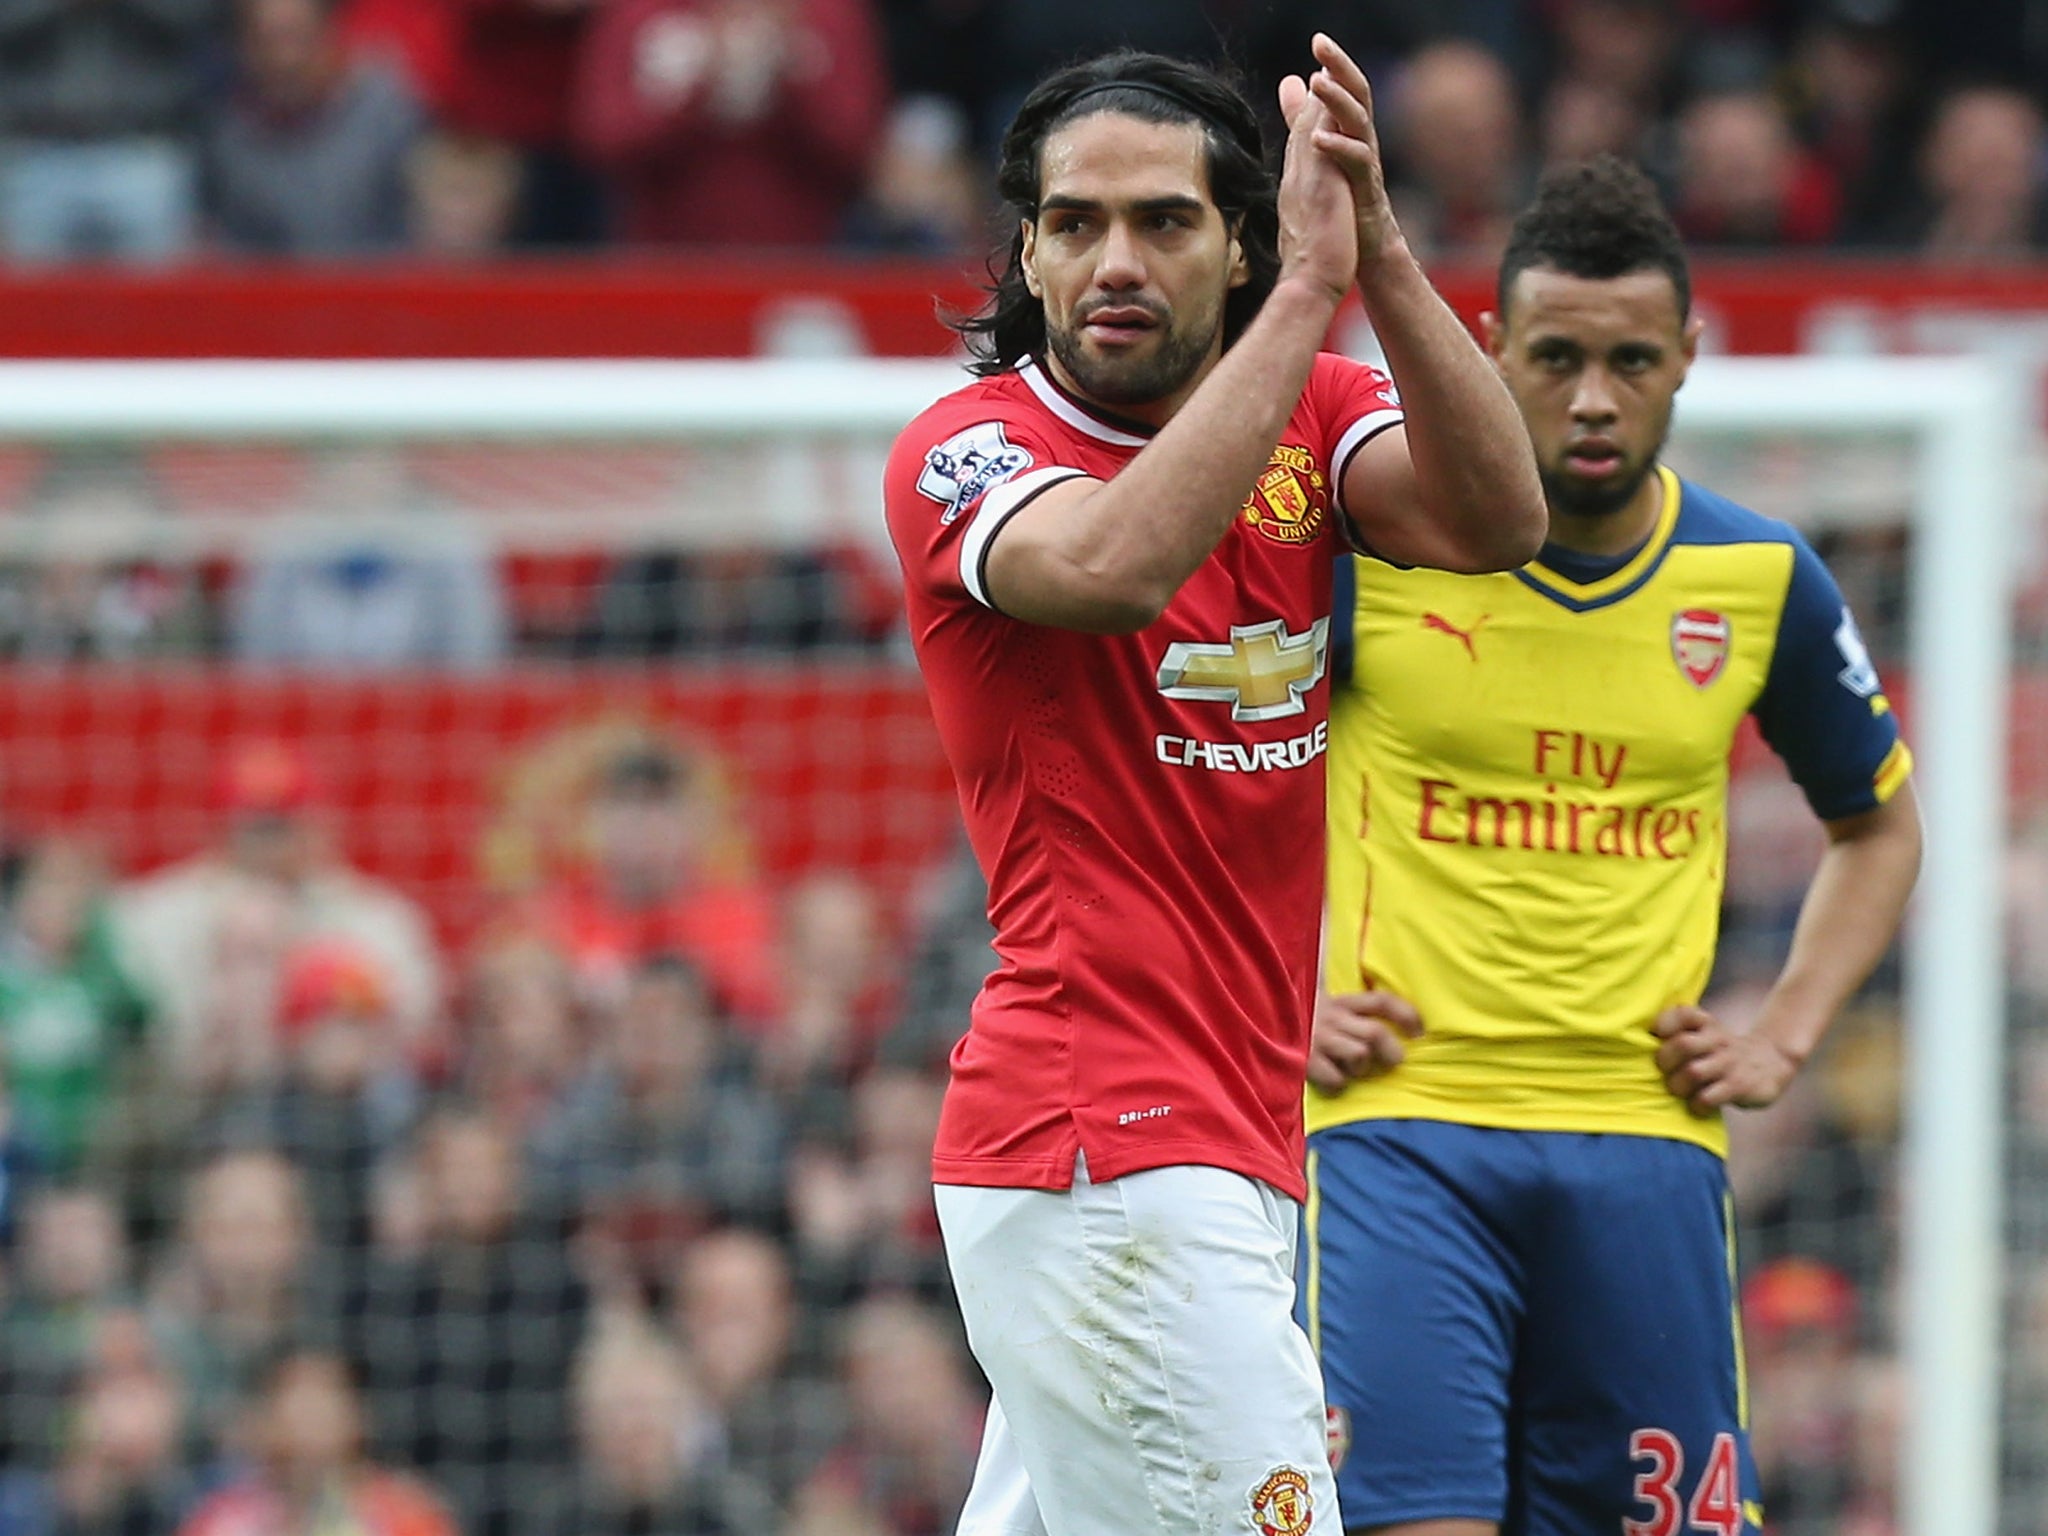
(1070, 413)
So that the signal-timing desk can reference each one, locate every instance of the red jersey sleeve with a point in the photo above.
(957, 475)
(1351, 403)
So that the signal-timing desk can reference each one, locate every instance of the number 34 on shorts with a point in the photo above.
(1716, 1507)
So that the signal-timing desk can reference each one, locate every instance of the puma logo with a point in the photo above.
(1444, 626)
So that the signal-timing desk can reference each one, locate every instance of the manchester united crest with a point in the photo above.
(1281, 1505)
(1699, 644)
(1290, 498)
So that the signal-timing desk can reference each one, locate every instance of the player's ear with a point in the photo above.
(1240, 266)
(1493, 335)
(1689, 345)
(1027, 248)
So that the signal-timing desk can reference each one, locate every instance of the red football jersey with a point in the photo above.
(1148, 808)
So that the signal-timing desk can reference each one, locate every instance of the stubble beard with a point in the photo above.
(1575, 499)
(1169, 367)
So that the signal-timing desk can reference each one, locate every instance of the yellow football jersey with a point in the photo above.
(1528, 783)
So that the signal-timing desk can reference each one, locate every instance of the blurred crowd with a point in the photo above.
(152, 130)
(385, 557)
(610, 1212)
(613, 1215)
(615, 1218)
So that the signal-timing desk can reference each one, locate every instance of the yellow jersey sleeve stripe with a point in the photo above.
(1896, 768)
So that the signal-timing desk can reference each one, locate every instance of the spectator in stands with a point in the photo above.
(1630, 47)
(837, 994)
(937, 50)
(121, 1470)
(510, 80)
(915, 1430)
(665, 1132)
(96, 106)
(521, 1049)
(414, 41)
(307, 1472)
(734, 1308)
(173, 1088)
(274, 866)
(87, 609)
(84, 598)
(1026, 42)
(666, 877)
(71, 1274)
(321, 591)
(66, 1004)
(306, 156)
(1858, 110)
(1984, 39)
(862, 1204)
(1454, 130)
(1579, 119)
(1268, 39)
(462, 196)
(649, 1464)
(243, 1283)
(1981, 177)
(1743, 179)
(733, 122)
(922, 195)
(746, 598)
(464, 1343)
(344, 1097)
(22, 1172)
(951, 958)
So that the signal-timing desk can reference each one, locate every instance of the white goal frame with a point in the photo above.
(1965, 418)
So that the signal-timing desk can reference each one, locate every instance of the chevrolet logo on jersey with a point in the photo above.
(1263, 673)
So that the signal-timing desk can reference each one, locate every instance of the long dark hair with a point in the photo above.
(1154, 89)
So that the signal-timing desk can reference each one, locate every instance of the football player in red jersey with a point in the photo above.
(1117, 554)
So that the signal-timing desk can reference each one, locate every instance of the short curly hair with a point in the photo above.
(1596, 218)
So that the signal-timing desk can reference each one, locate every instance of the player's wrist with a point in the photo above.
(1300, 291)
(1791, 1047)
(1386, 269)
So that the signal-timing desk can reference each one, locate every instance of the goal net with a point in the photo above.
(484, 907)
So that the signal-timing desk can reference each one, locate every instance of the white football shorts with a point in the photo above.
(1149, 1375)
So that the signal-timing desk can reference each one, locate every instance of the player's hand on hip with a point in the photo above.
(1318, 219)
(1359, 1034)
(1350, 138)
(1711, 1067)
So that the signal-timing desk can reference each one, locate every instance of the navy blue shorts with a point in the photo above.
(1535, 1328)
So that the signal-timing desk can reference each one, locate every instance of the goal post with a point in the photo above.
(1964, 419)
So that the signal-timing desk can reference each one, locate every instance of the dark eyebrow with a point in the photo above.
(1172, 203)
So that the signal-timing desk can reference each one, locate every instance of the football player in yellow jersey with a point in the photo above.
(1518, 1258)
